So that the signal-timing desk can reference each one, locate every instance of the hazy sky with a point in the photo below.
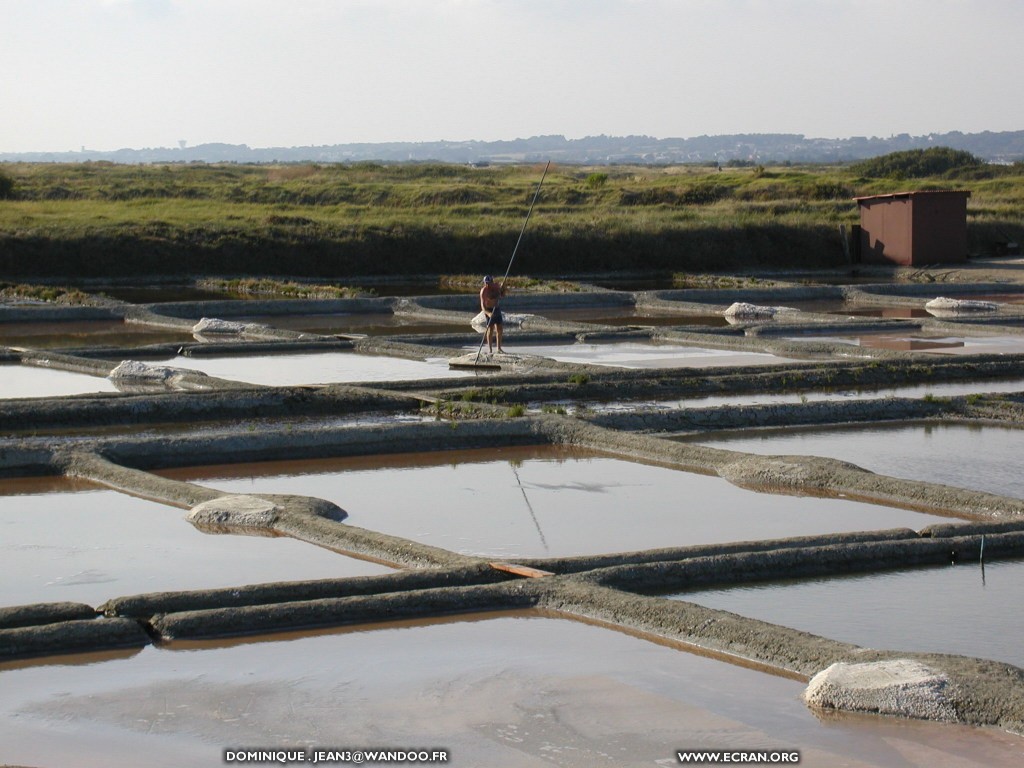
(108, 74)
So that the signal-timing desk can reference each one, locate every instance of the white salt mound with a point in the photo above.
(133, 370)
(898, 687)
(237, 511)
(743, 309)
(216, 325)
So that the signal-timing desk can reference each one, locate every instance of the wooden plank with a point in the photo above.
(520, 570)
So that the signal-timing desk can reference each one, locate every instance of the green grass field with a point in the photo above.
(336, 221)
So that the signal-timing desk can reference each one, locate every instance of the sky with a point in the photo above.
(112, 74)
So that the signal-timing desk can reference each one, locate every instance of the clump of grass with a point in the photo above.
(690, 280)
(486, 395)
(48, 293)
(291, 172)
(519, 283)
(268, 287)
(517, 410)
(579, 379)
(442, 409)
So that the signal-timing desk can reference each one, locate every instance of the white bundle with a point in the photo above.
(743, 309)
(133, 370)
(945, 304)
(479, 322)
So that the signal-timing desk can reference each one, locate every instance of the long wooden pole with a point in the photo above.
(523, 230)
(536, 194)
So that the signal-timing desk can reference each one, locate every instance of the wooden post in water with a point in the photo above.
(846, 243)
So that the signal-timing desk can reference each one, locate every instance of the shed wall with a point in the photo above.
(885, 230)
(914, 228)
(939, 229)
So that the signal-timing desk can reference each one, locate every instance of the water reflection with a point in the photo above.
(964, 609)
(85, 333)
(315, 368)
(68, 541)
(946, 389)
(505, 691)
(21, 381)
(573, 505)
(983, 458)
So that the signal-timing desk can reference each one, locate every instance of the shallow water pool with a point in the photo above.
(924, 342)
(86, 333)
(547, 502)
(635, 354)
(70, 541)
(370, 324)
(503, 691)
(315, 368)
(964, 609)
(983, 458)
(20, 381)
(947, 389)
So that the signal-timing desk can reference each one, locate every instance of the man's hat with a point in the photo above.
(488, 279)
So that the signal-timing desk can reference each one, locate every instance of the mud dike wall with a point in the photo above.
(95, 438)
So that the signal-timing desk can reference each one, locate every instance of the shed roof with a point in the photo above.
(917, 193)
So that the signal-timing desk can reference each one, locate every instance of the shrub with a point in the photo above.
(829, 190)
(654, 196)
(916, 163)
(705, 194)
(6, 187)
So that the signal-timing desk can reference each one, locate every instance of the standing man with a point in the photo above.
(490, 295)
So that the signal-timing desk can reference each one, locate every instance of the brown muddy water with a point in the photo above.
(508, 690)
(982, 458)
(895, 313)
(1001, 298)
(606, 316)
(366, 323)
(156, 294)
(966, 608)
(826, 306)
(547, 501)
(85, 333)
(70, 541)
(926, 342)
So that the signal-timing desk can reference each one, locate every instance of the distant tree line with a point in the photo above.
(752, 148)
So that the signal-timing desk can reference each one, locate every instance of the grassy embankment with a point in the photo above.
(347, 221)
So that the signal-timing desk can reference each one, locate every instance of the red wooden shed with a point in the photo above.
(911, 228)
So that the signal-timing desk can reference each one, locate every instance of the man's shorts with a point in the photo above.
(495, 318)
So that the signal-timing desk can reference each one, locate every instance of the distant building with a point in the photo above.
(913, 228)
